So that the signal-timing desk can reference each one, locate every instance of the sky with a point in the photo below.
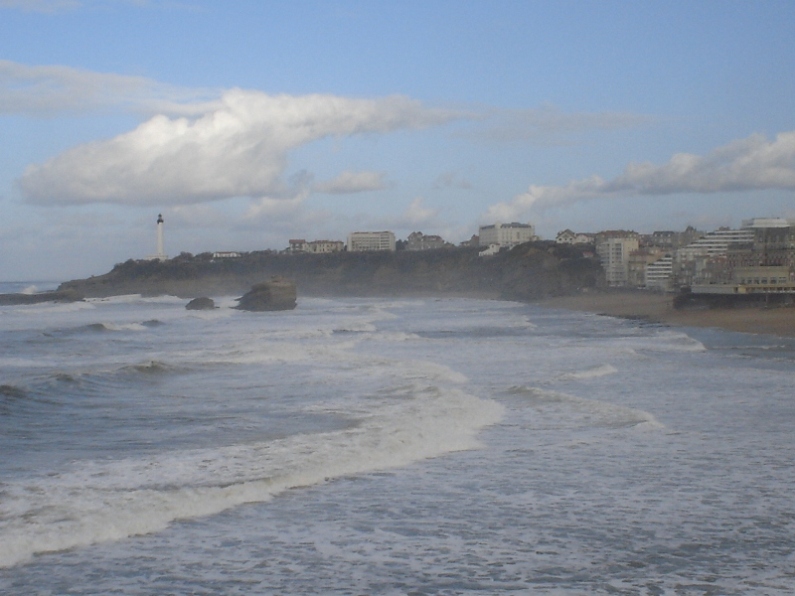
(253, 122)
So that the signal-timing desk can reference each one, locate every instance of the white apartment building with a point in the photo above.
(315, 246)
(659, 274)
(715, 243)
(614, 254)
(324, 246)
(369, 241)
(506, 234)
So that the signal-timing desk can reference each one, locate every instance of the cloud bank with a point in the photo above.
(753, 163)
(238, 148)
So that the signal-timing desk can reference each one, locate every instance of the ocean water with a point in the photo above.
(376, 446)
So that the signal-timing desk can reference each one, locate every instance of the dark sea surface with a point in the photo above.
(376, 446)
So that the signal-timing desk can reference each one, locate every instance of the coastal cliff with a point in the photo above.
(530, 271)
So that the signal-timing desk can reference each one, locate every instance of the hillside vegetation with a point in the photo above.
(529, 271)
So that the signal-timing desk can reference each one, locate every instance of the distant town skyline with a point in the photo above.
(247, 124)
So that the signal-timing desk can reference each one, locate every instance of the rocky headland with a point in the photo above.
(529, 271)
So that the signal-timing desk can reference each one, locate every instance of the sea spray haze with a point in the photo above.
(385, 446)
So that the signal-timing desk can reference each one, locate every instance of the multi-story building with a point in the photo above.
(296, 245)
(315, 246)
(669, 241)
(716, 262)
(614, 249)
(659, 274)
(325, 246)
(420, 241)
(506, 235)
(638, 261)
(569, 237)
(371, 241)
(774, 242)
(706, 259)
(715, 243)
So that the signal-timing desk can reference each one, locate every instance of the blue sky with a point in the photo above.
(248, 123)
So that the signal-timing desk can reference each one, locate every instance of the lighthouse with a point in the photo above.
(160, 255)
(160, 252)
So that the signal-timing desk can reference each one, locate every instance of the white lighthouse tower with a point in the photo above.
(160, 255)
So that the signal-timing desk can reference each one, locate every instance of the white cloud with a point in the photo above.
(237, 149)
(753, 163)
(352, 182)
(548, 124)
(47, 90)
(415, 215)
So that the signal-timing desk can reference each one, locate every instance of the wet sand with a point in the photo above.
(658, 308)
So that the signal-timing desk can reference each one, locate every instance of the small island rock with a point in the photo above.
(276, 294)
(200, 304)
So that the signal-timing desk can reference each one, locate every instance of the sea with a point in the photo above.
(389, 446)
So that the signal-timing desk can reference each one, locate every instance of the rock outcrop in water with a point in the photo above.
(60, 295)
(276, 294)
(202, 303)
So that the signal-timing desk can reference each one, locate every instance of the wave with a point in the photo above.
(595, 412)
(590, 373)
(664, 341)
(114, 327)
(106, 501)
(152, 367)
(9, 395)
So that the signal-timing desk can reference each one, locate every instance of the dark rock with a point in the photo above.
(66, 295)
(201, 304)
(276, 294)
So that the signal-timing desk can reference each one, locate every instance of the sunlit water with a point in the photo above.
(374, 446)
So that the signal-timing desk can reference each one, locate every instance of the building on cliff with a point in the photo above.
(506, 235)
(569, 237)
(420, 241)
(371, 241)
(315, 246)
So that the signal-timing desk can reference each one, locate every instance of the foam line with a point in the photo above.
(102, 502)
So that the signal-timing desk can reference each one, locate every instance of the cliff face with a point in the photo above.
(527, 272)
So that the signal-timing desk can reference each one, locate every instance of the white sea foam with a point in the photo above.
(590, 373)
(99, 502)
(574, 489)
(592, 411)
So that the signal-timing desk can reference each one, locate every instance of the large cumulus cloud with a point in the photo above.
(238, 148)
(753, 163)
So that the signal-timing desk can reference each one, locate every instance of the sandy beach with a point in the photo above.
(658, 308)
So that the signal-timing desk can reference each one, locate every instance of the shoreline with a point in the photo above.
(639, 305)
(658, 308)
